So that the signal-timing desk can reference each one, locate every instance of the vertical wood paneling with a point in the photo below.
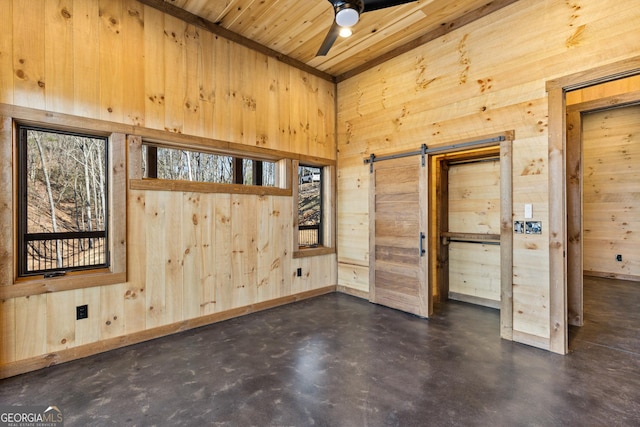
(174, 251)
(7, 330)
(193, 69)
(6, 51)
(111, 61)
(112, 311)
(207, 83)
(154, 75)
(223, 256)
(223, 108)
(61, 330)
(88, 330)
(86, 59)
(285, 105)
(155, 259)
(133, 56)
(120, 61)
(246, 91)
(59, 69)
(244, 248)
(135, 294)
(175, 70)
(31, 326)
(29, 54)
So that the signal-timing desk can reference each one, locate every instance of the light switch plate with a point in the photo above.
(528, 211)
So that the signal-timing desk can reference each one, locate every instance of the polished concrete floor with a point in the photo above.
(339, 361)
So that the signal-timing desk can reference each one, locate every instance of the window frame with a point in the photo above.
(23, 204)
(138, 182)
(18, 285)
(328, 208)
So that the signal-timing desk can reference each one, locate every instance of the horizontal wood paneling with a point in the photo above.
(484, 78)
(474, 207)
(611, 192)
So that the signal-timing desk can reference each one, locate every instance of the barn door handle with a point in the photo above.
(422, 236)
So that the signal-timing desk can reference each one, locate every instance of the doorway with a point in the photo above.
(468, 228)
(559, 167)
(603, 175)
(408, 252)
(471, 232)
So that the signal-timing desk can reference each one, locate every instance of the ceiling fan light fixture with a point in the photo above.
(345, 32)
(347, 15)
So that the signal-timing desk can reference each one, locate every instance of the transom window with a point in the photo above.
(186, 165)
(63, 215)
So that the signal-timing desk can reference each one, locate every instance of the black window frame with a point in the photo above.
(238, 166)
(22, 208)
(320, 226)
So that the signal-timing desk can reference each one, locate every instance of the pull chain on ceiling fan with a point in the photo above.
(347, 14)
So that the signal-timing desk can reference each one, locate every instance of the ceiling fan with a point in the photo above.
(347, 14)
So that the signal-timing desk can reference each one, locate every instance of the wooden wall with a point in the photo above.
(474, 207)
(486, 77)
(611, 192)
(190, 255)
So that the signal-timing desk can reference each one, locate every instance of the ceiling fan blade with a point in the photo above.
(370, 5)
(331, 37)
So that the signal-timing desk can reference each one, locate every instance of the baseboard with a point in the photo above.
(474, 300)
(43, 361)
(353, 292)
(600, 274)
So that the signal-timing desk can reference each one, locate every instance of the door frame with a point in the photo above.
(438, 214)
(557, 110)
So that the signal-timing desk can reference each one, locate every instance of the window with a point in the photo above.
(310, 195)
(63, 202)
(185, 165)
(313, 208)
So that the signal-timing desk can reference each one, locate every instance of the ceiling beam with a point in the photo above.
(214, 28)
(445, 28)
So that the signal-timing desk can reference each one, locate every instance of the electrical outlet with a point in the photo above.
(299, 272)
(619, 258)
(82, 312)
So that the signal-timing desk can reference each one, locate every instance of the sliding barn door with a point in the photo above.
(398, 222)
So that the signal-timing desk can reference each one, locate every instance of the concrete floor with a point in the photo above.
(339, 361)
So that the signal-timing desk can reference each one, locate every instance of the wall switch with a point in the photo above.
(528, 211)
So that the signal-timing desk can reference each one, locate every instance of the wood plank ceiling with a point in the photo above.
(293, 30)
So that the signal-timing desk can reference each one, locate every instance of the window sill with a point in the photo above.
(205, 187)
(307, 252)
(75, 280)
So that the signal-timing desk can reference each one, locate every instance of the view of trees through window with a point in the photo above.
(175, 164)
(63, 209)
(309, 206)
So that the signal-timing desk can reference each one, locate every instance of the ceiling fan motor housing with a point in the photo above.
(347, 12)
